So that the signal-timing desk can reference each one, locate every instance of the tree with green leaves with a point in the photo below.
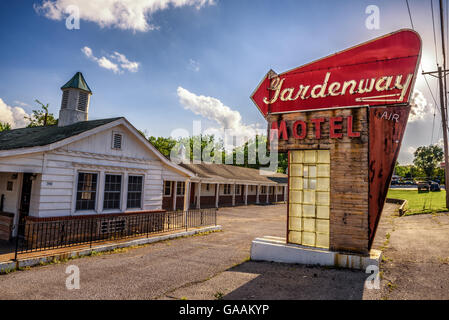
(214, 149)
(41, 117)
(4, 126)
(428, 159)
(164, 145)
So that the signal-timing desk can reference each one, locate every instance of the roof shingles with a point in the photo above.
(217, 171)
(41, 136)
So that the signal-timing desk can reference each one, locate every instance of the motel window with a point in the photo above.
(180, 190)
(237, 189)
(134, 199)
(167, 188)
(207, 187)
(264, 190)
(112, 191)
(227, 189)
(86, 191)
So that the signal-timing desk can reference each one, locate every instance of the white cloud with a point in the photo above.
(194, 65)
(121, 62)
(213, 109)
(15, 116)
(123, 14)
(419, 106)
(131, 66)
(21, 103)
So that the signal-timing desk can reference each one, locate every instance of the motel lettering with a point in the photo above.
(298, 129)
(334, 89)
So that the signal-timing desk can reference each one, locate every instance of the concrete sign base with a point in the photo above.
(275, 249)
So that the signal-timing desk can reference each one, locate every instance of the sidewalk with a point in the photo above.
(34, 258)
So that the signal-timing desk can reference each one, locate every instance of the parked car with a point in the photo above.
(434, 186)
(423, 186)
(428, 185)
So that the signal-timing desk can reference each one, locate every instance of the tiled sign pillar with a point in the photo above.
(348, 189)
(309, 198)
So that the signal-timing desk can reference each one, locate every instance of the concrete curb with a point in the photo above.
(6, 267)
(403, 205)
(275, 249)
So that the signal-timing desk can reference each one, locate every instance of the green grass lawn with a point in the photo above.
(423, 202)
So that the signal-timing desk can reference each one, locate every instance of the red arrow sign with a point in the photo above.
(379, 72)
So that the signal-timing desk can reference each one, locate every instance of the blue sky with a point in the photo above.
(217, 50)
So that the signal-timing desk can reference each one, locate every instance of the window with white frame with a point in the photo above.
(227, 189)
(112, 191)
(238, 189)
(86, 191)
(134, 199)
(180, 190)
(263, 190)
(167, 188)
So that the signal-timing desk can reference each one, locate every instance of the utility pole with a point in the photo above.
(444, 122)
(442, 72)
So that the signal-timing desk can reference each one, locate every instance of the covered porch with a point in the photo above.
(212, 194)
(18, 198)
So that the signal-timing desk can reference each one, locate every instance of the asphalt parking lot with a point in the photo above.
(216, 266)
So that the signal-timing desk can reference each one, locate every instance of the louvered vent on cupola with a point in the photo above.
(65, 99)
(75, 101)
(117, 140)
(82, 101)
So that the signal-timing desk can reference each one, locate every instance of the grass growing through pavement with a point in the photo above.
(423, 202)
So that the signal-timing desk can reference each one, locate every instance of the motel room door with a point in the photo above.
(25, 200)
(309, 198)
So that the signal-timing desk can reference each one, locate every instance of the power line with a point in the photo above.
(436, 60)
(434, 108)
(434, 33)
(409, 14)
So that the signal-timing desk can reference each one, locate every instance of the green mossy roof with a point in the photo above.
(41, 136)
(77, 82)
(217, 171)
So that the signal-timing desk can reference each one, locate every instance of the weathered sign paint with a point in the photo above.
(375, 73)
(355, 104)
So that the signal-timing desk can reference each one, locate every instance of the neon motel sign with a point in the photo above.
(324, 100)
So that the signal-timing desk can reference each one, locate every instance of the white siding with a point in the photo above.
(210, 192)
(11, 201)
(101, 143)
(54, 191)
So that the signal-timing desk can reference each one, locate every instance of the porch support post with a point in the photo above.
(246, 194)
(175, 191)
(276, 193)
(285, 193)
(198, 196)
(186, 195)
(233, 194)
(217, 194)
(257, 193)
(268, 193)
(100, 192)
(125, 192)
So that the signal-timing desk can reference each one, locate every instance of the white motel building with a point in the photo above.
(82, 167)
